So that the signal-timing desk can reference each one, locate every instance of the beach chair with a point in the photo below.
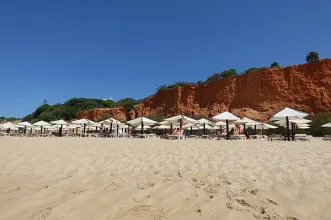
(192, 136)
(237, 137)
(275, 137)
(205, 136)
(327, 138)
(302, 137)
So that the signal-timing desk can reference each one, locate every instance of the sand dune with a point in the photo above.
(82, 178)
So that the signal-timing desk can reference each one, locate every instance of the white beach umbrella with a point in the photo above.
(144, 127)
(303, 127)
(84, 122)
(25, 125)
(299, 121)
(142, 121)
(220, 123)
(288, 114)
(9, 126)
(253, 124)
(162, 127)
(111, 122)
(180, 120)
(41, 124)
(204, 122)
(164, 123)
(191, 126)
(328, 125)
(226, 116)
(206, 127)
(60, 124)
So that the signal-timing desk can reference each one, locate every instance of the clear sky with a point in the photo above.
(127, 48)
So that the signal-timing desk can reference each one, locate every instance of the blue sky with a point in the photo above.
(127, 48)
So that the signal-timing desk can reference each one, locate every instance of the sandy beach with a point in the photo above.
(90, 178)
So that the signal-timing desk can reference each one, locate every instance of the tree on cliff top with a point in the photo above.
(229, 73)
(312, 56)
(274, 65)
(253, 69)
(224, 74)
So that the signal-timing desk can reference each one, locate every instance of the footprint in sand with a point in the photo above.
(14, 189)
(197, 183)
(78, 192)
(145, 185)
(44, 187)
(42, 214)
(142, 199)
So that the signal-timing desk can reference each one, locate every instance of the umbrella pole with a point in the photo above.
(293, 131)
(41, 129)
(61, 130)
(142, 127)
(30, 130)
(24, 129)
(204, 128)
(117, 129)
(244, 128)
(128, 129)
(111, 128)
(255, 129)
(191, 130)
(262, 130)
(227, 129)
(171, 128)
(122, 130)
(84, 128)
(287, 128)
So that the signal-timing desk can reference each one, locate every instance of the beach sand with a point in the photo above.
(90, 178)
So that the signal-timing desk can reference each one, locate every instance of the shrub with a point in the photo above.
(312, 56)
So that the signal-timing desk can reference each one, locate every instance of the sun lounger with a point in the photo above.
(237, 137)
(192, 136)
(327, 138)
(274, 137)
(205, 136)
(302, 137)
(176, 137)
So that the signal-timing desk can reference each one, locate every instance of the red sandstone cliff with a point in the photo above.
(256, 94)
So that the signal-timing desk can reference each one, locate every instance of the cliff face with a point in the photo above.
(95, 114)
(257, 95)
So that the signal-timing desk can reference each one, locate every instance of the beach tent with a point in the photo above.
(204, 122)
(41, 124)
(288, 114)
(142, 121)
(60, 123)
(84, 122)
(180, 120)
(226, 116)
(25, 125)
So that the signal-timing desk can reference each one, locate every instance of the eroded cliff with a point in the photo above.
(256, 94)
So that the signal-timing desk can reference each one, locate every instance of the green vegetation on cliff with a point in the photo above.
(72, 107)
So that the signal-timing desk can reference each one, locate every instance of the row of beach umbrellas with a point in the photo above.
(289, 118)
